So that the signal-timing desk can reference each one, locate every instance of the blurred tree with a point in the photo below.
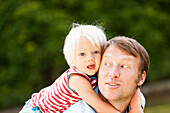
(32, 35)
(31, 48)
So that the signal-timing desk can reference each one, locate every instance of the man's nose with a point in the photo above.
(114, 72)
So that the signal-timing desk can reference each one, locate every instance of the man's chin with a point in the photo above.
(111, 96)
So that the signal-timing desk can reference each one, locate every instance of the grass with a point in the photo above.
(160, 108)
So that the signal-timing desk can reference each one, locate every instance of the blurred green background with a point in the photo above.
(32, 34)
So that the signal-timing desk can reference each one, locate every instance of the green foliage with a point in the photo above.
(32, 34)
(161, 108)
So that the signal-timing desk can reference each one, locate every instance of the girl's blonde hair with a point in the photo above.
(94, 34)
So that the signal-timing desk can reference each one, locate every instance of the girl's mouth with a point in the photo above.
(92, 66)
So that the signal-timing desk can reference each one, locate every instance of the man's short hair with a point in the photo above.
(132, 47)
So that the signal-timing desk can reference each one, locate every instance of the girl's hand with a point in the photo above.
(135, 103)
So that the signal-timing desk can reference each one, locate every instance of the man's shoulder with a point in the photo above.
(81, 106)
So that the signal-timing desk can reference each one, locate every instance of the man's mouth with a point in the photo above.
(113, 85)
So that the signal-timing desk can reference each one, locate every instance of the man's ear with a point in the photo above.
(142, 79)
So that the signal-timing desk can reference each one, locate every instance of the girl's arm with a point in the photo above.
(135, 103)
(86, 92)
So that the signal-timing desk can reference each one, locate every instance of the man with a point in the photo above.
(124, 66)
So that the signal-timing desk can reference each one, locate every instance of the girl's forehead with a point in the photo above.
(89, 41)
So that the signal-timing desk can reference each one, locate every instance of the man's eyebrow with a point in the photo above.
(125, 58)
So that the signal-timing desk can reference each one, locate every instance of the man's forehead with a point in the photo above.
(120, 56)
(116, 52)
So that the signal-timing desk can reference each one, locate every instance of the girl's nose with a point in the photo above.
(90, 58)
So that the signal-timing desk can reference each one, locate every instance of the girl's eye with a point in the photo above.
(82, 54)
(95, 52)
(107, 64)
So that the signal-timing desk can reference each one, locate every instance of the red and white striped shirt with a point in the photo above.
(58, 97)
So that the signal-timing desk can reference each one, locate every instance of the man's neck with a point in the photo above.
(119, 105)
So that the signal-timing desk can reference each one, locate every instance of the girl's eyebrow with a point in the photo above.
(107, 55)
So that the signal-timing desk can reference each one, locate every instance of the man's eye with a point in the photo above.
(82, 54)
(107, 64)
(123, 66)
(95, 52)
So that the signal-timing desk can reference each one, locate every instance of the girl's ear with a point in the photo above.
(142, 79)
